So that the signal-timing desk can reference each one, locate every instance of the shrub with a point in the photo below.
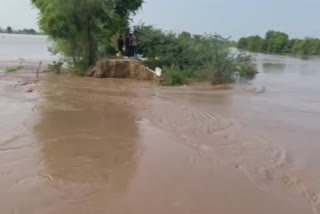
(173, 76)
(209, 56)
(244, 66)
(219, 69)
(246, 69)
(56, 67)
(153, 63)
(166, 48)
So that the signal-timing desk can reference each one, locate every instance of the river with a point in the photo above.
(84, 145)
(15, 47)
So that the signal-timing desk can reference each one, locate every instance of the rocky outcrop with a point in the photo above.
(121, 68)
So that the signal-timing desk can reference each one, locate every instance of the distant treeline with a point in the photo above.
(23, 31)
(280, 43)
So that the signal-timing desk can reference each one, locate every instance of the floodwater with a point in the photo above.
(24, 47)
(84, 145)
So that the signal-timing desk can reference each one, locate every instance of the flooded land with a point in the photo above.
(85, 145)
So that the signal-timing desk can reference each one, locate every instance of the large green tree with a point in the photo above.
(82, 29)
(277, 42)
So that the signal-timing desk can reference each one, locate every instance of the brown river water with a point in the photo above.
(84, 145)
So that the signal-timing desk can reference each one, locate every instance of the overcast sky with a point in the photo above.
(236, 18)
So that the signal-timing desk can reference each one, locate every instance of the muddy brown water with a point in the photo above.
(84, 145)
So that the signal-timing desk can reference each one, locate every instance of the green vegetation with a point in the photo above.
(24, 31)
(56, 67)
(13, 69)
(245, 66)
(82, 30)
(183, 56)
(173, 76)
(279, 43)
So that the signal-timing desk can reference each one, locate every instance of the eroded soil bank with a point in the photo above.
(86, 145)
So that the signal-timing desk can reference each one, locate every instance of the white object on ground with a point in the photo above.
(158, 72)
(141, 58)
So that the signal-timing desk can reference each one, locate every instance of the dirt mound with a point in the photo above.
(121, 68)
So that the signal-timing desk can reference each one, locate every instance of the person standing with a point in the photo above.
(120, 44)
(127, 44)
(134, 44)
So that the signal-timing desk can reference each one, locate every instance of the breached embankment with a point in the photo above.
(121, 68)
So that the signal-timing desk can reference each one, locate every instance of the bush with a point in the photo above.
(246, 70)
(245, 67)
(153, 63)
(166, 48)
(218, 69)
(209, 56)
(56, 67)
(173, 76)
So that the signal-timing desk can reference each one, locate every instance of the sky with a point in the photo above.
(235, 18)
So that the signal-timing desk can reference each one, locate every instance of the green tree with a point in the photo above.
(255, 43)
(29, 31)
(82, 29)
(308, 46)
(277, 42)
(9, 29)
(243, 43)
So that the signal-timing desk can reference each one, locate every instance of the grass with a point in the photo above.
(12, 69)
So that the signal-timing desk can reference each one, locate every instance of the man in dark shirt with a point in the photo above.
(120, 44)
(128, 49)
